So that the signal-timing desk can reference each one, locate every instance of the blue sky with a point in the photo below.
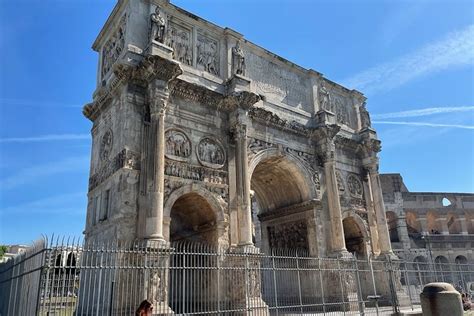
(414, 60)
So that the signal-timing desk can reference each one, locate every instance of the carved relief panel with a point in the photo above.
(207, 54)
(106, 146)
(179, 38)
(333, 101)
(113, 47)
(354, 185)
(211, 153)
(278, 83)
(178, 145)
(340, 183)
(289, 235)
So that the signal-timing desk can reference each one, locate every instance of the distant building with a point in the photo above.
(424, 222)
(12, 251)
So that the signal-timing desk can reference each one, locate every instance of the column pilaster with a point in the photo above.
(158, 73)
(158, 98)
(369, 201)
(324, 136)
(379, 207)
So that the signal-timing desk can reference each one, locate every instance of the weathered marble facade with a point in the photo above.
(429, 226)
(196, 129)
(201, 135)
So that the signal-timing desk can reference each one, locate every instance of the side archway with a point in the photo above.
(355, 234)
(193, 213)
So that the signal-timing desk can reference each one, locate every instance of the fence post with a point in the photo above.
(407, 282)
(392, 286)
(321, 285)
(299, 281)
(274, 282)
(370, 262)
(360, 298)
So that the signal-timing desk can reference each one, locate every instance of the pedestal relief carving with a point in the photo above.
(210, 153)
(207, 54)
(355, 186)
(178, 145)
(106, 145)
(113, 47)
(179, 38)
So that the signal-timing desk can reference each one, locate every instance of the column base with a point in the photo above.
(340, 254)
(386, 256)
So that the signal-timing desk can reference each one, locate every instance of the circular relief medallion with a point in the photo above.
(178, 145)
(354, 185)
(106, 145)
(210, 153)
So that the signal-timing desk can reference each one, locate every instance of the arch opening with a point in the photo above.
(193, 219)
(278, 183)
(193, 229)
(392, 222)
(354, 237)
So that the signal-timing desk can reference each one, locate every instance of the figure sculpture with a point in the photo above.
(158, 26)
(238, 60)
(324, 98)
(364, 117)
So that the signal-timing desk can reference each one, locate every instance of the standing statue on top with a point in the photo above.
(158, 26)
(238, 60)
(364, 116)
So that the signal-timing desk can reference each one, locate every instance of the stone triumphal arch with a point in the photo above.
(201, 135)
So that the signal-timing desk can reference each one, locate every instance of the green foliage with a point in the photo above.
(3, 249)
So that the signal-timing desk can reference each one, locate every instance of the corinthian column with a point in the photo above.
(244, 206)
(158, 95)
(379, 206)
(240, 103)
(325, 139)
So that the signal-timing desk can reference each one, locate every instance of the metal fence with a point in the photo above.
(68, 277)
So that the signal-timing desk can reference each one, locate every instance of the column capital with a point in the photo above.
(158, 95)
(243, 100)
(324, 137)
(238, 131)
(371, 166)
(156, 67)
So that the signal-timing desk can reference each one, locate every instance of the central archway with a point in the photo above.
(282, 191)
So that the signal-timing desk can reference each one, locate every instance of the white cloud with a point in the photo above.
(423, 112)
(426, 124)
(455, 50)
(45, 138)
(60, 204)
(32, 174)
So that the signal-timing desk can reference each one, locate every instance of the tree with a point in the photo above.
(3, 249)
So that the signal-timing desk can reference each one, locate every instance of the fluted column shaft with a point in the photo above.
(379, 206)
(243, 186)
(158, 94)
(338, 244)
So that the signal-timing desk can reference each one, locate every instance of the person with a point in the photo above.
(145, 309)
